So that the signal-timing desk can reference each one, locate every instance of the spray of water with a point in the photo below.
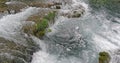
(10, 25)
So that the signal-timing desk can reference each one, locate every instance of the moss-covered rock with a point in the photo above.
(40, 34)
(41, 24)
(40, 4)
(3, 1)
(16, 6)
(49, 30)
(104, 57)
(50, 16)
(74, 12)
(12, 52)
(3, 7)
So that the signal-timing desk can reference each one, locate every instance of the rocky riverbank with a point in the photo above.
(11, 52)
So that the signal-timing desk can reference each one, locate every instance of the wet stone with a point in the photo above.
(12, 52)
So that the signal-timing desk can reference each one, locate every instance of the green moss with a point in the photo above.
(40, 33)
(103, 54)
(50, 16)
(104, 57)
(49, 30)
(39, 29)
(42, 25)
(3, 7)
(3, 1)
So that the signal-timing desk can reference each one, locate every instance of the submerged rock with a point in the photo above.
(104, 57)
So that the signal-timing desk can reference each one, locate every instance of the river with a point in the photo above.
(72, 40)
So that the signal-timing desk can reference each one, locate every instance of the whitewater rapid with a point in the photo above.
(89, 35)
(63, 28)
(10, 25)
(72, 40)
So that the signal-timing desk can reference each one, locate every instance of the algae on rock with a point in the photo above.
(41, 24)
(104, 57)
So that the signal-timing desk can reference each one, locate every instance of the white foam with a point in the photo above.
(40, 43)
(102, 44)
(10, 25)
(44, 57)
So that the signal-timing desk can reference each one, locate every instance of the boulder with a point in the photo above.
(3, 7)
(58, 7)
(39, 4)
(57, 3)
(15, 6)
(104, 57)
(73, 12)
(12, 52)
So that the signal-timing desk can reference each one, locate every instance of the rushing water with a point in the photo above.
(72, 40)
(10, 25)
(79, 40)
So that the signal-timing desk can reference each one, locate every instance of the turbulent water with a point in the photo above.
(72, 40)
(10, 25)
(79, 40)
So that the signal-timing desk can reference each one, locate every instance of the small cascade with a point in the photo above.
(78, 35)
(79, 40)
(15, 47)
(11, 25)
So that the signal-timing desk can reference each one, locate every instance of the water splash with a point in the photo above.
(11, 25)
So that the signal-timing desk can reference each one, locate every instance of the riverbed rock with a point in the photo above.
(41, 22)
(3, 7)
(15, 6)
(58, 7)
(104, 57)
(12, 52)
(73, 11)
(41, 4)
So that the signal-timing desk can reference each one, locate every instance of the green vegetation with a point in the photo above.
(104, 57)
(42, 25)
(40, 28)
(50, 16)
(3, 6)
(3, 1)
(49, 30)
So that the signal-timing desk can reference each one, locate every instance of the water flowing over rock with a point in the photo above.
(11, 52)
(73, 11)
(79, 33)
(15, 6)
(80, 40)
(15, 46)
